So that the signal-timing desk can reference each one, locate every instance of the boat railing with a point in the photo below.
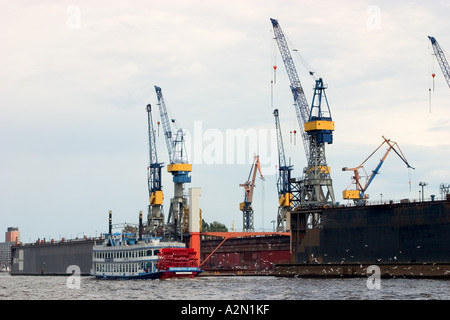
(382, 201)
(139, 246)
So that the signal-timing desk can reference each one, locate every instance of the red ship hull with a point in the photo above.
(177, 263)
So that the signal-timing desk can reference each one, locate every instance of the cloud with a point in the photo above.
(72, 99)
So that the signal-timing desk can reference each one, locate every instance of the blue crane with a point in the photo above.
(359, 195)
(284, 176)
(441, 59)
(316, 126)
(155, 213)
(178, 167)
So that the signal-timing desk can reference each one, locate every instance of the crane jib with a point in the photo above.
(442, 60)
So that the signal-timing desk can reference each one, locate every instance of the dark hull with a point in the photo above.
(393, 233)
(404, 239)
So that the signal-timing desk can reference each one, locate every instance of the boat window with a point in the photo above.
(156, 252)
(149, 253)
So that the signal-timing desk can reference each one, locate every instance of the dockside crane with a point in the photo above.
(178, 167)
(283, 182)
(316, 126)
(442, 60)
(155, 217)
(359, 195)
(249, 186)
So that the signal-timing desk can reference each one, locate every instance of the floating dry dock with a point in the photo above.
(408, 239)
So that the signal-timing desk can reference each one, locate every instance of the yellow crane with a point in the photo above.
(249, 185)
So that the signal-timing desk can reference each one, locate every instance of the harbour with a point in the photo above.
(135, 146)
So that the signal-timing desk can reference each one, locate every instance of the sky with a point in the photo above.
(76, 76)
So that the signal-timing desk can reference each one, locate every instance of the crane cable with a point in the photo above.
(433, 74)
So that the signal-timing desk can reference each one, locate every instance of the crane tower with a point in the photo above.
(155, 215)
(249, 186)
(178, 167)
(284, 176)
(316, 126)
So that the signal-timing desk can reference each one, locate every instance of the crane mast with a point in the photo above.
(284, 176)
(155, 217)
(300, 102)
(315, 188)
(443, 63)
(179, 168)
(249, 185)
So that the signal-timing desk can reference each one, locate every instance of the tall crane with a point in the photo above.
(178, 167)
(249, 186)
(300, 102)
(439, 53)
(316, 126)
(284, 176)
(359, 195)
(155, 215)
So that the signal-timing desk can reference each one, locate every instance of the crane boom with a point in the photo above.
(443, 63)
(165, 122)
(300, 102)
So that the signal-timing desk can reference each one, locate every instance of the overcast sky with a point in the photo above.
(76, 76)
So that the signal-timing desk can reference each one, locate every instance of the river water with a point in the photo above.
(266, 288)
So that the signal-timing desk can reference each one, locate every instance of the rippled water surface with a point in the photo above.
(219, 288)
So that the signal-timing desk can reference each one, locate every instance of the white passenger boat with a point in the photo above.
(122, 256)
